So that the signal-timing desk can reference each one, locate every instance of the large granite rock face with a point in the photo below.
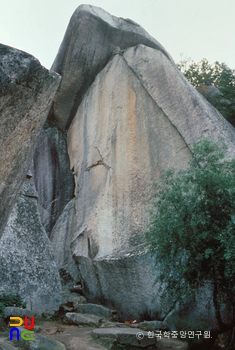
(92, 37)
(26, 93)
(26, 257)
(140, 116)
(53, 179)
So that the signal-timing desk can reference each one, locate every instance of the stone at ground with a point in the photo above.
(43, 343)
(152, 325)
(17, 311)
(26, 93)
(110, 324)
(5, 346)
(37, 329)
(66, 308)
(172, 344)
(82, 319)
(72, 299)
(94, 309)
(128, 336)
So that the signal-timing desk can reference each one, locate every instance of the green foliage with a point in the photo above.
(192, 228)
(203, 74)
(11, 300)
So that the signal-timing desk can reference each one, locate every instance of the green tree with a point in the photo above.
(192, 229)
(203, 75)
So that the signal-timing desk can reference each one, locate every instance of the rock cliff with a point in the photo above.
(26, 93)
(136, 116)
(123, 112)
(26, 257)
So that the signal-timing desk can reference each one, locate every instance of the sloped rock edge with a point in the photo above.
(188, 111)
(92, 37)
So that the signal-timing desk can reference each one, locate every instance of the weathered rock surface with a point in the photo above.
(153, 325)
(61, 237)
(110, 324)
(92, 37)
(140, 116)
(26, 257)
(82, 319)
(17, 311)
(26, 91)
(171, 344)
(5, 346)
(127, 336)
(53, 180)
(94, 309)
(72, 299)
(41, 342)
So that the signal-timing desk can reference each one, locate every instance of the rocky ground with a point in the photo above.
(73, 337)
(60, 336)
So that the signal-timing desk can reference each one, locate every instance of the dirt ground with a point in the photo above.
(73, 337)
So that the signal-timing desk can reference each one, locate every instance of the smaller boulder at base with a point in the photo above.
(13, 311)
(94, 309)
(82, 319)
(43, 343)
(128, 336)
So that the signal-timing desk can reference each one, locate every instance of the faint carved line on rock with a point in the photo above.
(99, 162)
(145, 88)
(29, 196)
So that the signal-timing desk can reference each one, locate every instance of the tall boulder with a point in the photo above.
(139, 116)
(26, 93)
(92, 37)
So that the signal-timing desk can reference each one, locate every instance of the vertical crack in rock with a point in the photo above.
(53, 179)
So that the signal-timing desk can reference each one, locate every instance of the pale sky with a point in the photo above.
(192, 28)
